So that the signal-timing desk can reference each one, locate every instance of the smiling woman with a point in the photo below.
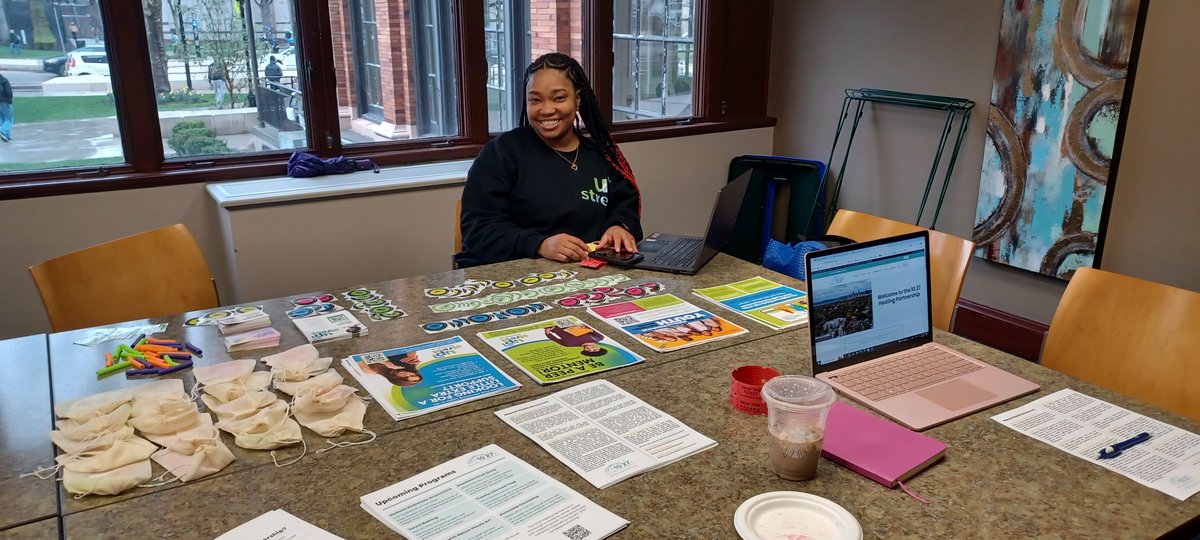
(543, 189)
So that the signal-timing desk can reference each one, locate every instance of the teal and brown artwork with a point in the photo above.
(1058, 91)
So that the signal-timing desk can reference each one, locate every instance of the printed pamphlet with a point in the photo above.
(665, 323)
(489, 493)
(777, 306)
(277, 525)
(415, 380)
(1081, 425)
(604, 433)
(559, 349)
(330, 327)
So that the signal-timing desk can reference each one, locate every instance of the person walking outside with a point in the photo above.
(6, 109)
(74, 30)
(14, 42)
(273, 71)
(216, 77)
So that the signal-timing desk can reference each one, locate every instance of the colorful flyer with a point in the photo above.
(415, 380)
(665, 323)
(559, 349)
(777, 306)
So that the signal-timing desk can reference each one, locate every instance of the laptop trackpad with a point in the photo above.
(956, 394)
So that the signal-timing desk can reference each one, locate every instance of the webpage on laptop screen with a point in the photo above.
(865, 298)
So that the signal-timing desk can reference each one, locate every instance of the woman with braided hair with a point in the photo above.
(554, 183)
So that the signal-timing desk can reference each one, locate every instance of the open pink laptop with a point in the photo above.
(871, 333)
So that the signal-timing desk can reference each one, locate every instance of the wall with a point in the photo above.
(677, 176)
(948, 47)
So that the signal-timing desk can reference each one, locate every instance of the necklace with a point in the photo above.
(571, 161)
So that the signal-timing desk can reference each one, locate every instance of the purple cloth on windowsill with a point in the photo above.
(306, 165)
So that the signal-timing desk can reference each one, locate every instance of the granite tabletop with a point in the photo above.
(73, 366)
(994, 482)
(46, 529)
(25, 423)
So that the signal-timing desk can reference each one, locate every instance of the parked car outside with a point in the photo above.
(90, 60)
(56, 65)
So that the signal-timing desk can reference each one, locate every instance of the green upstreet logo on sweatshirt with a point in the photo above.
(597, 195)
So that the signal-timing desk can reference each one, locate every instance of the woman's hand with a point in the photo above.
(563, 247)
(619, 238)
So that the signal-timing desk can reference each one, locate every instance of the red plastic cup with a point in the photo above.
(745, 390)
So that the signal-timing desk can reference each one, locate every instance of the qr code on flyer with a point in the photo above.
(577, 533)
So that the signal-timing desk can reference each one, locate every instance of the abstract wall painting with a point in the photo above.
(1057, 105)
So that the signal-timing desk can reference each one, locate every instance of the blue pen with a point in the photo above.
(1115, 450)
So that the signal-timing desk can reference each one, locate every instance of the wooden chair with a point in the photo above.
(151, 274)
(949, 256)
(458, 226)
(1132, 336)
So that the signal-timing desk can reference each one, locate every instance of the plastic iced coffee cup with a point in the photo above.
(797, 406)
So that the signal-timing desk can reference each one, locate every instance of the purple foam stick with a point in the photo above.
(175, 344)
(147, 371)
(188, 345)
(177, 355)
(137, 341)
(182, 365)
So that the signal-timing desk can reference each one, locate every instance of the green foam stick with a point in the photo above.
(114, 368)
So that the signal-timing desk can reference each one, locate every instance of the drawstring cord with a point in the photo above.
(345, 444)
(273, 452)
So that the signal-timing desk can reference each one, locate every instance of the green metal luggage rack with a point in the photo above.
(859, 97)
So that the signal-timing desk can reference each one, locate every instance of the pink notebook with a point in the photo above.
(877, 448)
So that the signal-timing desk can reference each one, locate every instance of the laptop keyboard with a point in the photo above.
(904, 372)
(680, 253)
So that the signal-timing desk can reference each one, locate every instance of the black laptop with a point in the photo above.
(688, 254)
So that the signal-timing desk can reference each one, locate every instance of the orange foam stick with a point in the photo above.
(154, 341)
(157, 362)
(108, 361)
(136, 365)
(155, 348)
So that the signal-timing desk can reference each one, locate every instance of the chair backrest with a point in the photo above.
(458, 226)
(1132, 336)
(949, 256)
(151, 274)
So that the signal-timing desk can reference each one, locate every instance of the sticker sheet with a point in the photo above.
(472, 287)
(510, 297)
(483, 318)
(373, 304)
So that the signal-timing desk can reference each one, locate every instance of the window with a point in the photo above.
(65, 115)
(225, 77)
(654, 51)
(396, 70)
(399, 81)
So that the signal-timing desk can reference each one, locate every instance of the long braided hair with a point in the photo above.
(589, 111)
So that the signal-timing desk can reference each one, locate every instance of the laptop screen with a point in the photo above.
(868, 300)
(724, 216)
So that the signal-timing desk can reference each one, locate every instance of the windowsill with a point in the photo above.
(283, 189)
(407, 168)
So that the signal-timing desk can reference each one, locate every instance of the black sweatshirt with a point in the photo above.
(520, 191)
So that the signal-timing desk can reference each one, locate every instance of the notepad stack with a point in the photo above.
(243, 322)
(876, 448)
(248, 331)
(330, 327)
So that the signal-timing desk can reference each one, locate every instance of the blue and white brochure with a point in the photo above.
(419, 379)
